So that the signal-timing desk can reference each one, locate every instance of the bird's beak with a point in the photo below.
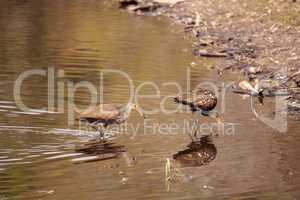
(139, 110)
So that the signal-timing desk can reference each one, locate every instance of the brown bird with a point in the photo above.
(106, 114)
(203, 100)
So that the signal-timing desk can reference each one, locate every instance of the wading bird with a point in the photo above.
(106, 114)
(202, 100)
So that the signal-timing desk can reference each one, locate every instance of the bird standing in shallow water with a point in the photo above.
(106, 114)
(202, 100)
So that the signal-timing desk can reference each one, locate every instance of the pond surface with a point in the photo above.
(78, 40)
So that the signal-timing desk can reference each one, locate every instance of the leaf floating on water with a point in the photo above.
(64, 156)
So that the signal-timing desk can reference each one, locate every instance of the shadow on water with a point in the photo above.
(198, 153)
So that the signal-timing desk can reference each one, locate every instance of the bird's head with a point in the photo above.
(133, 106)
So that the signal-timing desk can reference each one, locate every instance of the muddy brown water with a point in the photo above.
(82, 38)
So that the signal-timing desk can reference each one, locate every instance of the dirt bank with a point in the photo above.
(261, 40)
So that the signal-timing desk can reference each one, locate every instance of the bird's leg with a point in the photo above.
(215, 115)
(195, 125)
(196, 131)
(101, 129)
(89, 125)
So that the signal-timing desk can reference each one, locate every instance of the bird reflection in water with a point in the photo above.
(96, 150)
(94, 147)
(198, 153)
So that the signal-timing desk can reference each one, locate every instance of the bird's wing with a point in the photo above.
(102, 112)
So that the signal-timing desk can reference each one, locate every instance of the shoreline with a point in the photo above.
(260, 41)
